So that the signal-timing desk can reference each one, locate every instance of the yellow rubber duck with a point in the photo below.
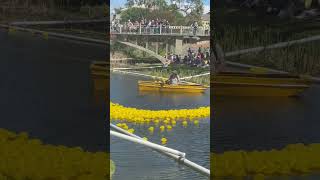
(184, 123)
(131, 131)
(169, 127)
(151, 129)
(164, 140)
(162, 128)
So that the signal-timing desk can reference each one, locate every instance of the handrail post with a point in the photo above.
(120, 29)
(160, 28)
(181, 30)
(140, 28)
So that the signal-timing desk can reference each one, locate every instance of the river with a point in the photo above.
(134, 161)
(46, 90)
(266, 123)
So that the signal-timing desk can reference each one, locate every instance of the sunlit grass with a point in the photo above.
(299, 59)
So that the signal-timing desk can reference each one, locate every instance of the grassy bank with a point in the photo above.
(300, 59)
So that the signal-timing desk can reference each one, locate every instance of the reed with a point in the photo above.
(297, 59)
(48, 9)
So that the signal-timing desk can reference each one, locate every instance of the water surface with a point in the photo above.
(46, 90)
(134, 161)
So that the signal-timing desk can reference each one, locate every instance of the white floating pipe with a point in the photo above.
(148, 144)
(177, 158)
(152, 67)
(156, 77)
(199, 75)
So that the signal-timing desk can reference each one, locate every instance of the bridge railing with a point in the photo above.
(165, 30)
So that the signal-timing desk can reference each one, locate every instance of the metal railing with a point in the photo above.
(160, 30)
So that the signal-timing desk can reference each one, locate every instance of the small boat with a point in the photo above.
(250, 84)
(163, 87)
(99, 69)
(99, 74)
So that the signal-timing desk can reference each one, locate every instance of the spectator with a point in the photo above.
(194, 28)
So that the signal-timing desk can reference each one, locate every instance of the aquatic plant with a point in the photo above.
(299, 59)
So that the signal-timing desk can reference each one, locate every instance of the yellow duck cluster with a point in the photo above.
(165, 119)
(24, 158)
(293, 159)
(119, 112)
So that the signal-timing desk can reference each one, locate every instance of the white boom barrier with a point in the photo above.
(156, 77)
(184, 161)
(199, 75)
(152, 67)
(148, 144)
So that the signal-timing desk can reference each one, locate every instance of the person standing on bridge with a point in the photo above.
(130, 25)
(194, 27)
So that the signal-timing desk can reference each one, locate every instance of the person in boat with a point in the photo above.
(174, 78)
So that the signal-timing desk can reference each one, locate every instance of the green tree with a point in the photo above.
(136, 14)
(193, 9)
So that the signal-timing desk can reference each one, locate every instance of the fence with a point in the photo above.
(158, 30)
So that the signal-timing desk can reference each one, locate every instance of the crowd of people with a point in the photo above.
(200, 58)
(153, 26)
(147, 26)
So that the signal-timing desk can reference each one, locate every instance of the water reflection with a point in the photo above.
(242, 123)
(46, 90)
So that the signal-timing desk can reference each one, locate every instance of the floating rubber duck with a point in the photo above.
(162, 128)
(169, 127)
(164, 140)
(184, 123)
(151, 129)
(131, 130)
(173, 122)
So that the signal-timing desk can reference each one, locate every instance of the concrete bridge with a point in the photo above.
(174, 39)
(171, 31)
(160, 58)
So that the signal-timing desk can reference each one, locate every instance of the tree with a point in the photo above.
(192, 9)
(136, 14)
(188, 6)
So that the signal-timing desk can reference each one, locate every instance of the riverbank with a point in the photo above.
(47, 11)
(298, 59)
(182, 70)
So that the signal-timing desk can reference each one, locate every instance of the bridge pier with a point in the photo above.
(157, 47)
(167, 48)
(179, 46)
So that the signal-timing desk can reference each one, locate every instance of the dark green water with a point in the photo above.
(46, 90)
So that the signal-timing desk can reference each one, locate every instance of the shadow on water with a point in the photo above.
(46, 90)
(136, 162)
